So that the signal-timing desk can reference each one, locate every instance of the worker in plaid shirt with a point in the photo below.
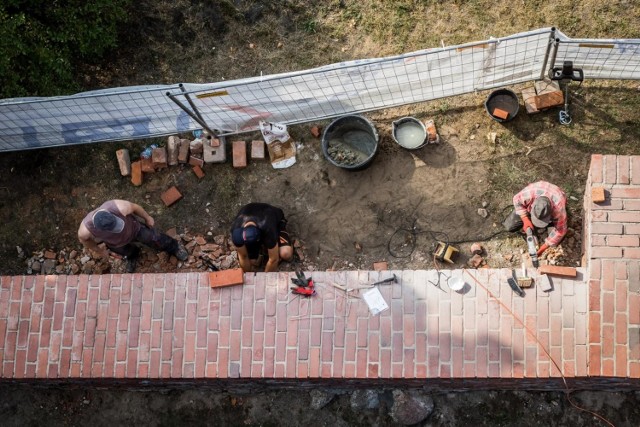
(538, 206)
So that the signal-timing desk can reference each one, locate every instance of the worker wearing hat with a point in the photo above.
(538, 206)
(258, 227)
(116, 224)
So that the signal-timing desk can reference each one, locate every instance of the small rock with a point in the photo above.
(36, 266)
(320, 398)
(476, 249)
(409, 409)
(364, 399)
(73, 254)
(485, 204)
(219, 239)
(85, 259)
(483, 212)
(508, 257)
(201, 240)
(49, 266)
(315, 131)
(358, 246)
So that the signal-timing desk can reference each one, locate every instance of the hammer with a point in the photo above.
(393, 279)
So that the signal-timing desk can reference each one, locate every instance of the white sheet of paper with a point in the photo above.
(375, 301)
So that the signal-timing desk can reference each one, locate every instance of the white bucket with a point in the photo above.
(409, 132)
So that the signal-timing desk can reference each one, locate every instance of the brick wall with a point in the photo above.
(612, 242)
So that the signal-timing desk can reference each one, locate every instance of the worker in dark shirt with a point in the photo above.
(261, 226)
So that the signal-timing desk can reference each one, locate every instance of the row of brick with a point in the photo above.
(175, 326)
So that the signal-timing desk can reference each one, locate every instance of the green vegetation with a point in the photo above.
(42, 41)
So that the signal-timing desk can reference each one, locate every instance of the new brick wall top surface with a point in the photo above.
(612, 251)
(176, 326)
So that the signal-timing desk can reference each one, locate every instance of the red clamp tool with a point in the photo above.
(304, 286)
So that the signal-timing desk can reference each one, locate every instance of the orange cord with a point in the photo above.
(564, 380)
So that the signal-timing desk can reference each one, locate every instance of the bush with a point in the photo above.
(41, 41)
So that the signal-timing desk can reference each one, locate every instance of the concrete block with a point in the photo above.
(136, 173)
(183, 152)
(239, 154)
(170, 196)
(159, 158)
(257, 149)
(198, 171)
(194, 161)
(598, 195)
(218, 279)
(555, 270)
(147, 166)
(528, 95)
(173, 147)
(216, 154)
(124, 161)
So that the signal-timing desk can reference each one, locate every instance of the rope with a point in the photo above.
(568, 391)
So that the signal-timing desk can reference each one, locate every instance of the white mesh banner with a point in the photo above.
(329, 91)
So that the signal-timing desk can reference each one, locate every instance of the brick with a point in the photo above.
(239, 150)
(159, 157)
(603, 252)
(173, 148)
(171, 196)
(213, 142)
(528, 95)
(198, 171)
(597, 195)
(628, 241)
(555, 270)
(606, 228)
(195, 161)
(147, 165)
(596, 168)
(380, 266)
(124, 161)
(257, 149)
(549, 100)
(183, 151)
(218, 279)
(501, 114)
(215, 152)
(623, 170)
(136, 173)
(315, 131)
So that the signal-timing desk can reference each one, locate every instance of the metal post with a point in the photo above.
(552, 39)
(191, 114)
(186, 95)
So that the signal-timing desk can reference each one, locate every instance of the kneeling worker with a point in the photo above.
(261, 226)
(538, 206)
(114, 223)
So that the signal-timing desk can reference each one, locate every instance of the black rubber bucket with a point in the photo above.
(350, 142)
(505, 100)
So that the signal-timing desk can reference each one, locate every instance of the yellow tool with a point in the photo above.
(445, 252)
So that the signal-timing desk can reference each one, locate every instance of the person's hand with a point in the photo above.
(100, 252)
(543, 248)
(150, 222)
(526, 223)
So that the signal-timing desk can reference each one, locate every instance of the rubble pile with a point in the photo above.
(203, 254)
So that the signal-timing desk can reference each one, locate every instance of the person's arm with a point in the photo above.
(87, 240)
(520, 203)
(243, 259)
(274, 259)
(129, 208)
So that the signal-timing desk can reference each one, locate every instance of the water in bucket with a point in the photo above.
(409, 133)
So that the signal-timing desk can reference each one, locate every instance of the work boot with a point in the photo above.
(131, 263)
(181, 253)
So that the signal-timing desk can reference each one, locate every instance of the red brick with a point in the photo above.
(632, 205)
(610, 169)
(147, 165)
(606, 228)
(239, 154)
(380, 266)
(223, 278)
(315, 131)
(198, 171)
(628, 241)
(159, 157)
(183, 151)
(555, 270)
(171, 196)
(597, 195)
(195, 161)
(549, 99)
(623, 170)
(632, 253)
(501, 114)
(603, 252)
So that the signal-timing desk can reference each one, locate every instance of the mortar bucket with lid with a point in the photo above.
(409, 133)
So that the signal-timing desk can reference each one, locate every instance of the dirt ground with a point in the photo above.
(343, 219)
(24, 405)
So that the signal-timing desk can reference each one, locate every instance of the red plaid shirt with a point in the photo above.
(523, 201)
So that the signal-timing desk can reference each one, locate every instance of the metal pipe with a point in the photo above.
(555, 52)
(186, 95)
(193, 116)
(552, 36)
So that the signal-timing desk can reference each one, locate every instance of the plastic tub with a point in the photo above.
(505, 100)
(350, 142)
(409, 133)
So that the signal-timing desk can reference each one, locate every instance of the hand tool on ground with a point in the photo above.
(531, 246)
(393, 279)
(514, 284)
(524, 281)
(437, 284)
(348, 290)
(207, 262)
(304, 286)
